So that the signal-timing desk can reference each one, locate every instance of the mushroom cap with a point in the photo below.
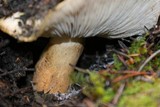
(84, 18)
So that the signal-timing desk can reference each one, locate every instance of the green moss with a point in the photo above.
(136, 46)
(136, 93)
(108, 95)
(78, 77)
(141, 94)
(117, 63)
(96, 88)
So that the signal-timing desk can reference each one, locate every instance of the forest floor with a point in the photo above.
(17, 61)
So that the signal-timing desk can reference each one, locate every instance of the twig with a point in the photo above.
(22, 90)
(80, 69)
(148, 59)
(89, 103)
(122, 60)
(128, 72)
(118, 94)
(121, 53)
(123, 46)
(128, 76)
(14, 71)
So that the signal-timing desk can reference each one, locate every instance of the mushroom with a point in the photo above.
(67, 22)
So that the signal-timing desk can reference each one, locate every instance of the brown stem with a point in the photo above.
(53, 69)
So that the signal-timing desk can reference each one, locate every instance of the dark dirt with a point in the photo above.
(17, 61)
(29, 7)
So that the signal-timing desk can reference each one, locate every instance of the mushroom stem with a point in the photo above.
(53, 69)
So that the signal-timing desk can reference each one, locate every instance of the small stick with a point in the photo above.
(16, 70)
(118, 94)
(127, 76)
(121, 53)
(80, 69)
(148, 59)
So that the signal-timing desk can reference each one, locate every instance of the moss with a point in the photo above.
(117, 63)
(136, 93)
(137, 46)
(141, 94)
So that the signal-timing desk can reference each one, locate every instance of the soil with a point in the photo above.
(29, 7)
(17, 61)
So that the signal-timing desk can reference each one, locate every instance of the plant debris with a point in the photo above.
(138, 61)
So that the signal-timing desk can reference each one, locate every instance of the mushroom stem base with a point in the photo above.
(53, 69)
